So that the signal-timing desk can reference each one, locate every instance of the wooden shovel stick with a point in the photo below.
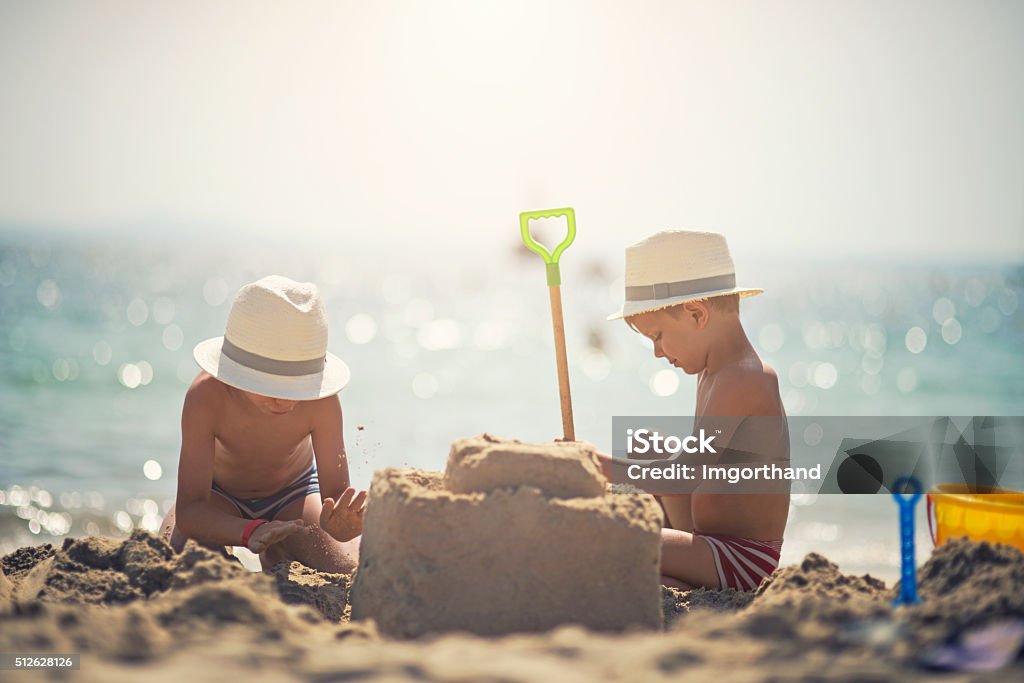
(554, 279)
(568, 432)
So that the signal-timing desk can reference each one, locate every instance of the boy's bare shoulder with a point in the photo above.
(328, 407)
(206, 392)
(747, 389)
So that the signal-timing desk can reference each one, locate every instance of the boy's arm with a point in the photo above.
(744, 413)
(343, 507)
(740, 393)
(329, 448)
(195, 516)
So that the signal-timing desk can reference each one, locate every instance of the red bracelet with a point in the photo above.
(249, 528)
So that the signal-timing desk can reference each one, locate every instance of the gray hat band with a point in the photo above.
(272, 366)
(669, 290)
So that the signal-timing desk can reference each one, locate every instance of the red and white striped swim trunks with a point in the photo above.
(741, 562)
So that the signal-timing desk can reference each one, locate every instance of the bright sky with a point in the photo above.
(888, 127)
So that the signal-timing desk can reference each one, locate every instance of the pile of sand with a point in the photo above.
(136, 599)
(512, 538)
(133, 607)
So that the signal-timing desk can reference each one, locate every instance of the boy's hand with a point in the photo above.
(272, 532)
(343, 519)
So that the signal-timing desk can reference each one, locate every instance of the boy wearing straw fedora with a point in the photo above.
(262, 460)
(681, 293)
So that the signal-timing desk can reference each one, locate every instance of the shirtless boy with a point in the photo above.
(681, 294)
(262, 460)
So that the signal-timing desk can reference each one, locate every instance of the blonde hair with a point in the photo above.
(726, 303)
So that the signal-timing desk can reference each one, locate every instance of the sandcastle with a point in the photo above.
(512, 537)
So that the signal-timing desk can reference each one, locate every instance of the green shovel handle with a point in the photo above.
(550, 258)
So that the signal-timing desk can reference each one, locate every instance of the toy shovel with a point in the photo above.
(555, 292)
(908, 565)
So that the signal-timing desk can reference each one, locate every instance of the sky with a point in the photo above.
(794, 127)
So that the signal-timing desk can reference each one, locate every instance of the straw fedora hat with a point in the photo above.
(275, 343)
(676, 266)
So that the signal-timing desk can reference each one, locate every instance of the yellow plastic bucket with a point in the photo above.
(981, 513)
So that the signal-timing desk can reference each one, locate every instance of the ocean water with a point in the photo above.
(95, 355)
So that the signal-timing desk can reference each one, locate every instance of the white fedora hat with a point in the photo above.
(676, 266)
(275, 343)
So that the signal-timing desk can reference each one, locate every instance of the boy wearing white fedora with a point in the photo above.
(681, 293)
(262, 460)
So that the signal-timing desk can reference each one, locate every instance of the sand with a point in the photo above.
(511, 538)
(133, 608)
(137, 611)
(485, 463)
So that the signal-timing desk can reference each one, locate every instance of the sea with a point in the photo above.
(97, 331)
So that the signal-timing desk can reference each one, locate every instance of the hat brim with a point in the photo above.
(329, 381)
(631, 308)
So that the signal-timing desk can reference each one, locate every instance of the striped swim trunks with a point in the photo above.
(269, 507)
(741, 562)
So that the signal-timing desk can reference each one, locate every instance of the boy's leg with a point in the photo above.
(687, 561)
(312, 546)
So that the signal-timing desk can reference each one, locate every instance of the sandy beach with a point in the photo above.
(518, 563)
(134, 609)
(743, 282)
